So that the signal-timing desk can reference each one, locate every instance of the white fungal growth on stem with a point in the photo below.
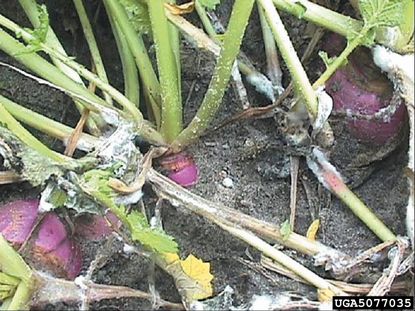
(400, 70)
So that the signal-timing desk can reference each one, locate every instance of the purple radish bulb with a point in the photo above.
(17, 219)
(181, 168)
(360, 88)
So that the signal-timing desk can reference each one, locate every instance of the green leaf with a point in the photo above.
(138, 15)
(285, 230)
(155, 239)
(377, 13)
(209, 4)
(29, 163)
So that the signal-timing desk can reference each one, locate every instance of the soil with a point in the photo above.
(250, 153)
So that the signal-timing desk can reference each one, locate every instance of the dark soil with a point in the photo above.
(248, 152)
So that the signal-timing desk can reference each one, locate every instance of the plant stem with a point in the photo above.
(317, 14)
(46, 70)
(129, 69)
(273, 64)
(339, 60)
(14, 265)
(30, 7)
(254, 77)
(331, 179)
(46, 125)
(218, 213)
(7, 120)
(301, 82)
(171, 112)
(121, 99)
(205, 21)
(92, 44)
(51, 73)
(213, 97)
(138, 49)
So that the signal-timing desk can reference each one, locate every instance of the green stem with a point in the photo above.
(339, 60)
(51, 73)
(171, 111)
(365, 214)
(328, 175)
(319, 15)
(14, 265)
(205, 21)
(288, 53)
(129, 69)
(46, 70)
(31, 9)
(139, 51)
(213, 97)
(120, 98)
(44, 124)
(8, 121)
(92, 44)
(175, 43)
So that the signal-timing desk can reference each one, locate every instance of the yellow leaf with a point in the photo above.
(200, 272)
(312, 230)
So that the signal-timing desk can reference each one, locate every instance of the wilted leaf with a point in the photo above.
(197, 280)
(180, 9)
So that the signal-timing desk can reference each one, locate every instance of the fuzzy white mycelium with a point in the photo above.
(400, 70)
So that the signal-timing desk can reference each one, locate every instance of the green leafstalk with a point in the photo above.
(31, 9)
(205, 21)
(331, 179)
(28, 37)
(92, 44)
(14, 265)
(319, 15)
(175, 43)
(135, 42)
(44, 124)
(129, 69)
(46, 70)
(254, 77)
(8, 121)
(288, 53)
(171, 111)
(213, 97)
(51, 73)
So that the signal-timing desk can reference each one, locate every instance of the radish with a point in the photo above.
(51, 249)
(181, 168)
(359, 88)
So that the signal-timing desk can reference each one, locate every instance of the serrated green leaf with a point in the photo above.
(155, 239)
(138, 15)
(377, 13)
(209, 4)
